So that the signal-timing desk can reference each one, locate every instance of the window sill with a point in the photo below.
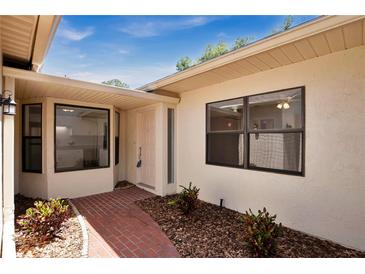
(268, 170)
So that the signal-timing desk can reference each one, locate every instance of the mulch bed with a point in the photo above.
(211, 231)
(67, 244)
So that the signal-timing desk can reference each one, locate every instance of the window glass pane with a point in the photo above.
(278, 110)
(281, 151)
(32, 138)
(32, 160)
(116, 136)
(32, 120)
(116, 124)
(225, 115)
(82, 140)
(170, 140)
(225, 149)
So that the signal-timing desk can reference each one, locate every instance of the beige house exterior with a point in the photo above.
(166, 124)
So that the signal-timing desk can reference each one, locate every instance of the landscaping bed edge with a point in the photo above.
(85, 233)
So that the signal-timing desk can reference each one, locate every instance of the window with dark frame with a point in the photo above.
(32, 138)
(81, 138)
(261, 132)
(225, 132)
(116, 137)
(170, 145)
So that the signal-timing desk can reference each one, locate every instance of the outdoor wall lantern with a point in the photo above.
(8, 103)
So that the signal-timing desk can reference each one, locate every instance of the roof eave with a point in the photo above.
(46, 29)
(35, 76)
(302, 31)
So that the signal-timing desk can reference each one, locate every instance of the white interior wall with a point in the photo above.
(329, 201)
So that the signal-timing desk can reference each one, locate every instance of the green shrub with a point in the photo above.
(42, 222)
(187, 200)
(261, 233)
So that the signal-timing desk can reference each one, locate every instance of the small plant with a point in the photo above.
(187, 200)
(42, 222)
(261, 233)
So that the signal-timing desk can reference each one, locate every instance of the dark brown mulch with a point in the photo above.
(67, 244)
(211, 231)
(22, 203)
(123, 185)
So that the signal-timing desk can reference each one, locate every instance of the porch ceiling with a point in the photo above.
(30, 84)
(322, 36)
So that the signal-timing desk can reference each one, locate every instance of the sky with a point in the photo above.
(142, 49)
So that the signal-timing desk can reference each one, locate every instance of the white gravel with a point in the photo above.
(67, 245)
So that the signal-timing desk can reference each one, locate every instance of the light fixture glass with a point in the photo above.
(279, 106)
(286, 105)
(9, 106)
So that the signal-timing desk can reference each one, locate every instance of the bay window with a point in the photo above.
(81, 138)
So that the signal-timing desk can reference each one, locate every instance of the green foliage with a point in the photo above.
(116, 82)
(261, 233)
(42, 222)
(241, 42)
(184, 63)
(187, 200)
(212, 51)
(288, 22)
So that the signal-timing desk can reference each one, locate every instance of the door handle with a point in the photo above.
(139, 162)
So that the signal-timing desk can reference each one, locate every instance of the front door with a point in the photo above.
(146, 148)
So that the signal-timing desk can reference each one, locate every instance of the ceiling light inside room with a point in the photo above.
(283, 105)
(68, 110)
(286, 105)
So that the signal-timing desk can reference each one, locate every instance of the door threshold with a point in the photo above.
(146, 186)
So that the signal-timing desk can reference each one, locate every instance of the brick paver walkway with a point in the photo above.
(119, 228)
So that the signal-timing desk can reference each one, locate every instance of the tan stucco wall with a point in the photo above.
(329, 201)
(8, 244)
(31, 184)
(17, 147)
